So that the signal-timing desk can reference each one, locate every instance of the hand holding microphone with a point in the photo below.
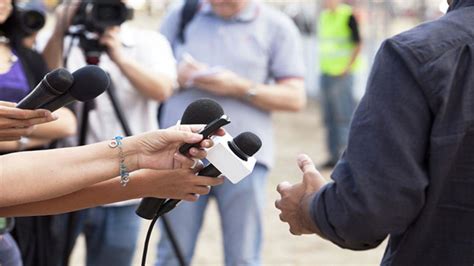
(202, 112)
(16, 123)
(230, 157)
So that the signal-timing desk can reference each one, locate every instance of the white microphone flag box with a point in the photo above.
(229, 164)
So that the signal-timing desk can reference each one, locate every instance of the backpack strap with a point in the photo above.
(187, 14)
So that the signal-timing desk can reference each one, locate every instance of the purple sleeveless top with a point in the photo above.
(13, 84)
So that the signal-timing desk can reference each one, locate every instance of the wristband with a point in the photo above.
(23, 143)
(251, 93)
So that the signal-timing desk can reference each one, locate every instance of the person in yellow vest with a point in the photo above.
(339, 48)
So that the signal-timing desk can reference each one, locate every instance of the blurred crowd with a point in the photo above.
(253, 57)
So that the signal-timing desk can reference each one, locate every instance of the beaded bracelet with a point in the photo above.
(124, 174)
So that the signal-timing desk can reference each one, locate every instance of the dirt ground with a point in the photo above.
(295, 133)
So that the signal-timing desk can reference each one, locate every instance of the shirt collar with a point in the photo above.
(249, 13)
(460, 4)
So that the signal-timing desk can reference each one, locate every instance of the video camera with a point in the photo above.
(91, 20)
(29, 18)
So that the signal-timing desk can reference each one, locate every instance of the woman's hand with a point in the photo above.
(159, 149)
(16, 123)
(111, 39)
(182, 184)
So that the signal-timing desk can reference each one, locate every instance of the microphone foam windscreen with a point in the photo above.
(59, 81)
(202, 111)
(248, 142)
(89, 82)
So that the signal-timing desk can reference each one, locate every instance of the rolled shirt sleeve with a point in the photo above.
(380, 182)
(286, 52)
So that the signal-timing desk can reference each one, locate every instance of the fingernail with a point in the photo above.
(46, 113)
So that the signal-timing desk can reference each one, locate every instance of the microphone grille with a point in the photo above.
(59, 81)
(202, 111)
(89, 82)
(248, 142)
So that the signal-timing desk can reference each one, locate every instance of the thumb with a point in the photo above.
(311, 176)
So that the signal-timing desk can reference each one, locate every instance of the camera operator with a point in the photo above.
(21, 69)
(142, 68)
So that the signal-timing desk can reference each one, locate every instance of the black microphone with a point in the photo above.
(202, 111)
(89, 82)
(244, 146)
(53, 85)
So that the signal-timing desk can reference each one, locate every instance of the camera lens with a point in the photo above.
(32, 20)
(108, 13)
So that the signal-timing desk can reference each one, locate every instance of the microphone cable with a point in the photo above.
(147, 239)
(180, 257)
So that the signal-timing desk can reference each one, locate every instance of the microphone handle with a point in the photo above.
(58, 102)
(148, 207)
(209, 170)
(37, 97)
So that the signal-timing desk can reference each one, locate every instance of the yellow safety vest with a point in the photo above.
(335, 43)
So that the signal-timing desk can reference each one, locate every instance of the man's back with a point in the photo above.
(443, 52)
(408, 171)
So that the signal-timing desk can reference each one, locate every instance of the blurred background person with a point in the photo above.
(21, 68)
(339, 48)
(142, 69)
(248, 57)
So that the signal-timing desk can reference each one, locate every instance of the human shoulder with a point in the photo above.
(146, 37)
(432, 39)
(276, 18)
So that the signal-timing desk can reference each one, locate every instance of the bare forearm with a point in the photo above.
(65, 126)
(53, 51)
(11, 146)
(155, 86)
(354, 55)
(103, 193)
(41, 175)
(289, 96)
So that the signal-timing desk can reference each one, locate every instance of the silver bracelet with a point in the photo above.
(124, 174)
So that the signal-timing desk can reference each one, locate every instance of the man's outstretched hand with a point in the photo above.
(296, 199)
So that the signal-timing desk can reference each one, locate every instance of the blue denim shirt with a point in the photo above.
(408, 171)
